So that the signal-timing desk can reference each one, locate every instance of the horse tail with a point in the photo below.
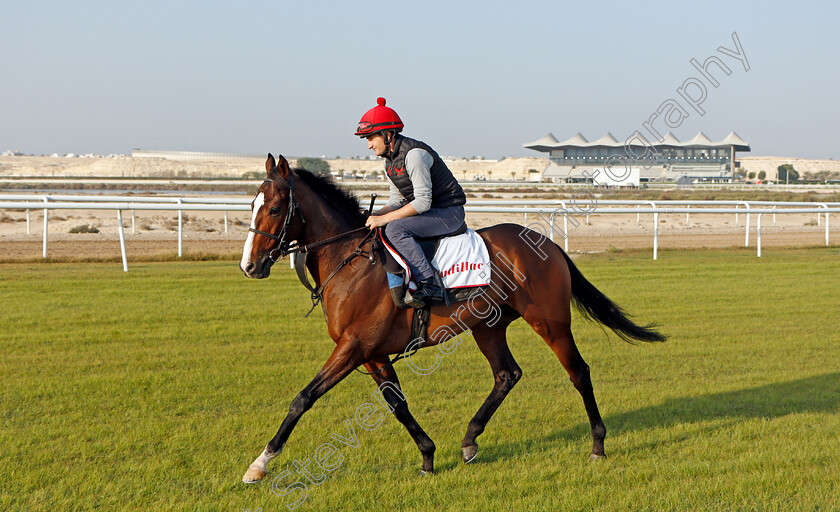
(596, 306)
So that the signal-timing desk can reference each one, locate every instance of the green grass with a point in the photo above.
(154, 390)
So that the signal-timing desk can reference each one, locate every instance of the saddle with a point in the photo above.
(398, 275)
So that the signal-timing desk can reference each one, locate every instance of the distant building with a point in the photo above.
(577, 159)
(189, 155)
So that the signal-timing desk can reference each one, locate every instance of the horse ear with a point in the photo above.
(270, 165)
(283, 167)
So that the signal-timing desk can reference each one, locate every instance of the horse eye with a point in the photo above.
(275, 211)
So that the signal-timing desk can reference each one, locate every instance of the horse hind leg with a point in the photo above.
(506, 373)
(559, 338)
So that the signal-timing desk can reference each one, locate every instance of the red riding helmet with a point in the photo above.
(378, 119)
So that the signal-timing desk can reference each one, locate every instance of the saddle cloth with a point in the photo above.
(462, 261)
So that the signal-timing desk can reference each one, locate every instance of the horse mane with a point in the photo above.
(343, 200)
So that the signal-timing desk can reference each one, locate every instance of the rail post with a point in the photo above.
(565, 232)
(46, 226)
(122, 240)
(225, 221)
(180, 230)
(758, 235)
(551, 223)
(565, 227)
(655, 235)
(823, 205)
(747, 238)
(28, 231)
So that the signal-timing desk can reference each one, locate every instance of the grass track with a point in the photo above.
(153, 390)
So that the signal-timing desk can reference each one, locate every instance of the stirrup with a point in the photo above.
(429, 291)
(411, 302)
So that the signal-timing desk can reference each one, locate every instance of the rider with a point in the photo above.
(425, 198)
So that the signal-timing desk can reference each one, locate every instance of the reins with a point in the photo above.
(281, 238)
(300, 252)
(313, 245)
(317, 294)
(300, 265)
(286, 248)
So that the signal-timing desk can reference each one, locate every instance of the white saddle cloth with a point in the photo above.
(462, 261)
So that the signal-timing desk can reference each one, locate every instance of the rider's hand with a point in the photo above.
(375, 221)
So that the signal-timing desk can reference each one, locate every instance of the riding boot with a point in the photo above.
(428, 291)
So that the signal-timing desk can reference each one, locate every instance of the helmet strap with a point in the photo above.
(389, 136)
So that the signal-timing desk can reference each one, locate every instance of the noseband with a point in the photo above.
(285, 248)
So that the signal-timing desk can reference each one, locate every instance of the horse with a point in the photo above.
(532, 278)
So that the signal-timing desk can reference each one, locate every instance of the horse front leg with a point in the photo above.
(340, 363)
(386, 380)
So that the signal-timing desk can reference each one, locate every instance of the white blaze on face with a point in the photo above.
(249, 242)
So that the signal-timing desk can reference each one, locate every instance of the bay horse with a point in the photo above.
(532, 278)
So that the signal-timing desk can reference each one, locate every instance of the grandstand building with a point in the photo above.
(696, 160)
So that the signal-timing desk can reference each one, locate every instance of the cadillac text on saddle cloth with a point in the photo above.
(462, 261)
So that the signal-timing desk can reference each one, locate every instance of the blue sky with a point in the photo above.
(469, 78)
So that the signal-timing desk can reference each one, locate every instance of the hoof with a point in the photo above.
(253, 475)
(595, 457)
(430, 472)
(468, 453)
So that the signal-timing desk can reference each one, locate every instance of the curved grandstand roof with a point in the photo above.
(734, 140)
(606, 140)
(577, 140)
(699, 140)
(549, 142)
(670, 140)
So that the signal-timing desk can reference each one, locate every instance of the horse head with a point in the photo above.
(275, 220)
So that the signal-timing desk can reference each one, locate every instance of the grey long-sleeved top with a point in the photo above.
(418, 164)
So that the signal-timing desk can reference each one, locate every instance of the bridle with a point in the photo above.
(283, 246)
(286, 248)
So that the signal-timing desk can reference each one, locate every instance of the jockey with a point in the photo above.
(425, 198)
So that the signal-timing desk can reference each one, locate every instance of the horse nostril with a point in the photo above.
(249, 267)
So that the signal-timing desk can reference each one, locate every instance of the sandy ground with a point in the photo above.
(151, 233)
(155, 233)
